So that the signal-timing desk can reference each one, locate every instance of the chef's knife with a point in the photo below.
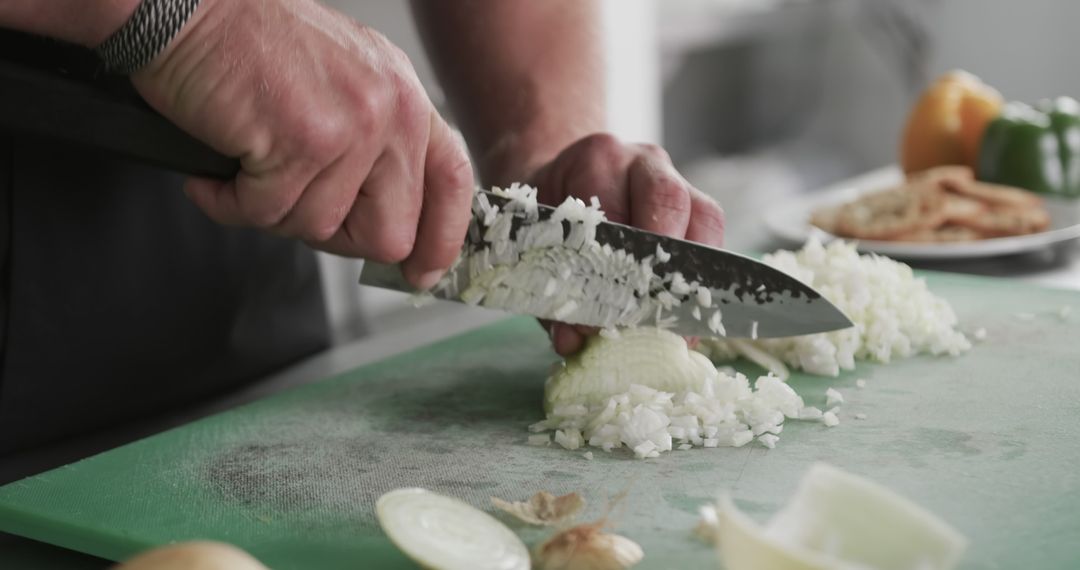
(756, 300)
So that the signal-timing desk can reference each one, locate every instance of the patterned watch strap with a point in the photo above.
(153, 25)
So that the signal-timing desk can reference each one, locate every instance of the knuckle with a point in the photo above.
(667, 191)
(709, 212)
(397, 55)
(656, 151)
(368, 106)
(410, 106)
(323, 135)
(602, 145)
(458, 176)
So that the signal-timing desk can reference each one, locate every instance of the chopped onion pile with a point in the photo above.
(556, 269)
(647, 391)
(835, 521)
(895, 314)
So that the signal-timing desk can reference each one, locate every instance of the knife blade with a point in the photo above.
(756, 300)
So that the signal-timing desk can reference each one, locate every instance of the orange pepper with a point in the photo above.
(946, 124)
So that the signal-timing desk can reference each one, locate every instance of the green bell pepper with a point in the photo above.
(1037, 148)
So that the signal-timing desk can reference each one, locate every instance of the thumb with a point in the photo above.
(217, 199)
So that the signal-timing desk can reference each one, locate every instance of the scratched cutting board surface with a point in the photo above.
(989, 441)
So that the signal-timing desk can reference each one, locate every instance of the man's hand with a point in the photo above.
(637, 185)
(529, 109)
(339, 144)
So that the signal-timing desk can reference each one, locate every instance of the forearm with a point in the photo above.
(524, 78)
(85, 22)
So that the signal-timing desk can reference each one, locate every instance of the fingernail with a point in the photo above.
(567, 341)
(429, 279)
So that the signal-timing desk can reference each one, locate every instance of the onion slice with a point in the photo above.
(443, 533)
(837, 520)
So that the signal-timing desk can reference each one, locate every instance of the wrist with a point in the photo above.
(110, 17)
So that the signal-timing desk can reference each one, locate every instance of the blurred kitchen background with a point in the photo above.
(761, 99)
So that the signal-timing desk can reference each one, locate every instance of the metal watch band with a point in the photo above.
(153, 25)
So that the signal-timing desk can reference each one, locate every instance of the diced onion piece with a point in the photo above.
(742, 438)
(421, 299)
(661, 255)
(830, 419)
(762, 358)
(610, 333)
(539, 439)
(860, 383)
(833, 398)
(569, 439)
(443, 533)
(824, 526)
(716, 323)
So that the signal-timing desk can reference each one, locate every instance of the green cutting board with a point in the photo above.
(988, 441)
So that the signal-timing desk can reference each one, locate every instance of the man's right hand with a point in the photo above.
(339, 144)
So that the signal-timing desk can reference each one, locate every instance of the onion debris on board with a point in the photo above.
(588, 546)
(444, 533)
(836, 520)
(895, 314)
(543, 508)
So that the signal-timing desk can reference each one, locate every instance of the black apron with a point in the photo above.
(119, 299)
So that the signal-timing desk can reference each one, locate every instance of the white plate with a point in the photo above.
(791, 221)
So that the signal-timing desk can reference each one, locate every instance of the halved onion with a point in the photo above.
(443, 533)
(609, 366)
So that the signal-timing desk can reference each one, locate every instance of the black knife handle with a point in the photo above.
(47, 104)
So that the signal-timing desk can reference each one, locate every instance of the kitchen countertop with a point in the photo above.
(1057, 267)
